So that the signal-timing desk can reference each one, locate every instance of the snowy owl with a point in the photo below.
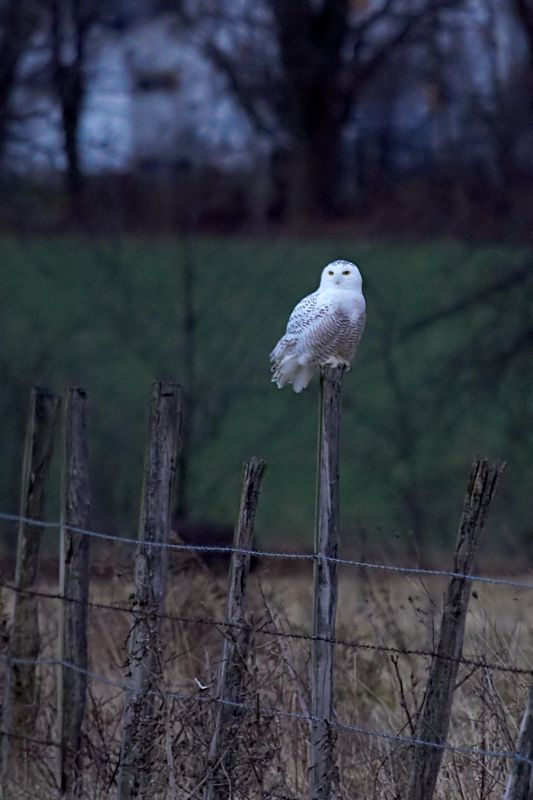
(324, 328)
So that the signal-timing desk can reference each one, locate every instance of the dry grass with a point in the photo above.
(374, 690)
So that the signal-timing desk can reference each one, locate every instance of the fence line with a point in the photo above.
(228, 549)
(224, 750)
(436, 712)
(75, 500)
(268, 711)
(144, 663)
(468, 661)
(19, 688)
(143, 689)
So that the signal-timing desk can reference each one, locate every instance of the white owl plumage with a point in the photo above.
(324, 328)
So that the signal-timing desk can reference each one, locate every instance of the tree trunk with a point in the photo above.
(189, 333)
(311, 108)
(18, 23)
(524, 12)
(69, 26)
(314, 167)
(71, 124)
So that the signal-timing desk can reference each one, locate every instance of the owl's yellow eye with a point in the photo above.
(346, 272)
(330, 272)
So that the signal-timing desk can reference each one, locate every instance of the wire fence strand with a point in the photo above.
(266, 630)
(227, 550)
(269, 711)
(204, 696)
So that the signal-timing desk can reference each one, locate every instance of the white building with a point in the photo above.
(152, 101)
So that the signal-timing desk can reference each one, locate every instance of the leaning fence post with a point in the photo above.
(74, 584)
(520, 782)
(18, 712)
(139, 728)
(322, 763)
(230, 676)
(435, 717)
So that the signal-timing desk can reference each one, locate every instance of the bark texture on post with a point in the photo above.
(231, 671)
(435, 717)
(74, 583)
(140, 723)
(520, 783)
(18, 712)
(322, 762)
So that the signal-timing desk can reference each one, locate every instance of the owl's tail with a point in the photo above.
(289, 370)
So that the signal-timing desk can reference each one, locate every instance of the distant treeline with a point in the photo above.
(412, 207)
(390, 115)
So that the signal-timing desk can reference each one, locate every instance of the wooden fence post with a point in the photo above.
(322, 763)
(73, 583)
(233, 665)
(18, 712)
(435, 717)
(520, 783)
(139, 731)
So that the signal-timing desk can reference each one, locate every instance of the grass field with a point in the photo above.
(108, 315)
(374, 690)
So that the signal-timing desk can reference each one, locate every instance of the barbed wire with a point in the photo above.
(270, 711)
(228, 549)
(469, 661)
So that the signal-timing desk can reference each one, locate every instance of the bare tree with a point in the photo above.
(18, 21)
(307, 64)
(524, 13)
(496, 345)
(71, 23)
(503, 110)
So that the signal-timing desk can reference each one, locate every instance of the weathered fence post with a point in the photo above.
(322, 763)
(435, 717)
(74, 584)
(231, 670)
(139, 731)
(520, 783)
(18, 712)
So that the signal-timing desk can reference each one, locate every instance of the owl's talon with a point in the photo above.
(333, 361)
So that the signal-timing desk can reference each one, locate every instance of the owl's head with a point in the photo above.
(341, 275)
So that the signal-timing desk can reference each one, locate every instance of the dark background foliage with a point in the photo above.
(173, 177)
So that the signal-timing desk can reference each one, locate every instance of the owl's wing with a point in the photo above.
(327, 329)
(312, 326)
(303, 315)
(300, 318)
(354, 335)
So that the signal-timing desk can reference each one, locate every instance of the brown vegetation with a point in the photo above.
(376, 690)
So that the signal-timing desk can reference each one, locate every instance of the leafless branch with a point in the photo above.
(509, 282)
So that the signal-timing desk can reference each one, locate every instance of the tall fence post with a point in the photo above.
(139, 731)
(231, 670)
(74, 584)
(435, 717)
(322, 763)
(18, 712)
(520, 782)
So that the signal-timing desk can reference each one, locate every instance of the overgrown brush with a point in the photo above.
(375, 690)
